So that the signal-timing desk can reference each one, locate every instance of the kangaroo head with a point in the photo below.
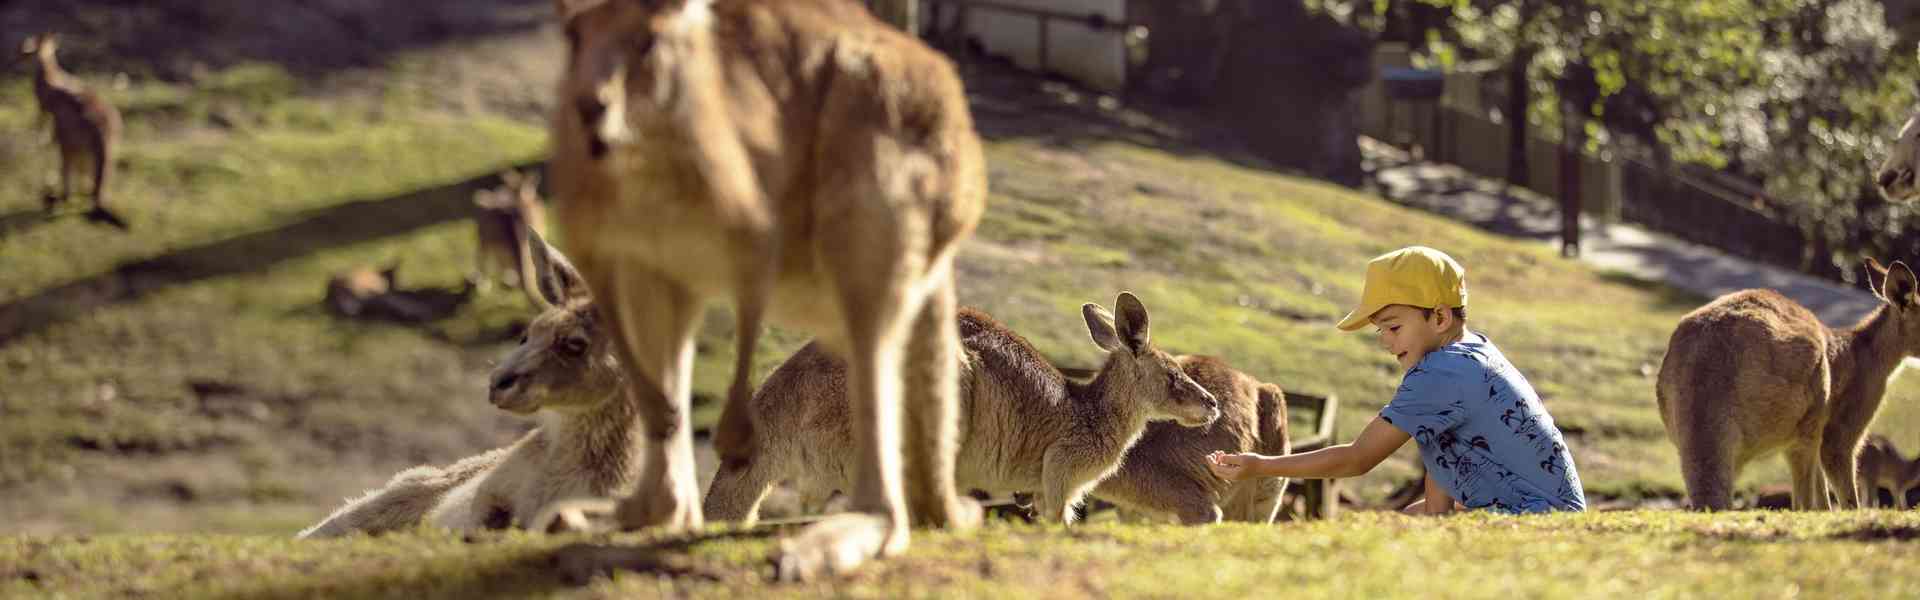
(1900, 290)
(564, 361)
(39, 44)
(1138, 372)
(634, 68)
(1897, 172)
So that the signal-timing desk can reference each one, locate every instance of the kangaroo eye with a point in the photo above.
(573, 346)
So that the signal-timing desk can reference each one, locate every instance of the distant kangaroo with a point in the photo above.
(1882, 466)
(500, 229)
(85, 126)
(1159, 474)
(1754, 372)
(1024, 426)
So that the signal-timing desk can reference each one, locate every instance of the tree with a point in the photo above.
(1798, 96)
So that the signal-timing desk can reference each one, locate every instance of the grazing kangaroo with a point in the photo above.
(588, 447)
(1754, 372)
(85, 126)
(1882, 466)
(506, 215)
(1160, 474)
(812, 166)
(1025, 427)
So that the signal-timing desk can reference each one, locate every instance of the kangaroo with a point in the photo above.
(1896, 176)
(588, 447)
(505, 215)
(1754, 372)
(1161, 476)
(1882, 466)
(364, 292)
(85, 126)
(815, 168)
(1025, 426)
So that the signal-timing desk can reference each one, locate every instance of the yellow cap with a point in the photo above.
(1415, 276)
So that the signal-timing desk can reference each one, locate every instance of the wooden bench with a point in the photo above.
(1312, 498)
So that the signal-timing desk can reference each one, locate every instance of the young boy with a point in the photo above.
(1486, 440)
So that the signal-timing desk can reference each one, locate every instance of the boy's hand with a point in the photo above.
(1230, 467)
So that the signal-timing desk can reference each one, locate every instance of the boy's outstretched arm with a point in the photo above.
(1375, 444)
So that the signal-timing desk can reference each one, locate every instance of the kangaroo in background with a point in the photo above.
(1160, 475)
(1882, 466)
(85, 126)
(588, 446)
(506, 215)
(812, 166)
(1754, 372)
(1025, 426)
(368, 293)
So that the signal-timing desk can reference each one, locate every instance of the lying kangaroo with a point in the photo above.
(366, 293)
(85, 126)
(1161, 476)
(1754, 372)
(814, 167)
(1025, 427)
(1882, 466)
(588, 447)
(506, 214)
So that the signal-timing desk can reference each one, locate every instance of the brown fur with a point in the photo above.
(85, 126)
(500, 230)
(1754, 372)
(1024, 425)
(1165, 472)
(588, 447)
(810, 165)
(1882, 466)
(366, 293)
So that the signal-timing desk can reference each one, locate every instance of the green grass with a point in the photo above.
(1656, 554)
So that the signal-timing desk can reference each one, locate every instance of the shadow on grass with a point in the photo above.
(316, 230)
(21, 222)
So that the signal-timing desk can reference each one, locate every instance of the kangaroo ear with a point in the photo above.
(1100, 326)
(1132, 322)
(1901, 286)
(555, 280)
(1876, 276)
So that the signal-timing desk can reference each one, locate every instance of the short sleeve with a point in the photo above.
(1431, 399)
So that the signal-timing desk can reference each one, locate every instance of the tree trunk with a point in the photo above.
(1516, 113)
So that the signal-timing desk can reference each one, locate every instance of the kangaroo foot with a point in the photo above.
(575, 516)
(103, 216)
(660, 507)
(838, 545)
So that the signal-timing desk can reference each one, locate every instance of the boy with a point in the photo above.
(1485, 439)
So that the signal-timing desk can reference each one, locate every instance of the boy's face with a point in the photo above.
(1409, 333)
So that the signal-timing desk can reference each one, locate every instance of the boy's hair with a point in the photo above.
(1459, 313)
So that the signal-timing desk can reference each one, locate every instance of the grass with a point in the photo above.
(1656, 554)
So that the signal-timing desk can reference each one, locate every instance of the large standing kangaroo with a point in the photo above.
(1753, 373)
(809, 164)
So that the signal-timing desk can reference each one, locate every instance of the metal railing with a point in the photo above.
(1043, 19)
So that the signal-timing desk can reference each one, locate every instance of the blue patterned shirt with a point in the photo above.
(1483, 434)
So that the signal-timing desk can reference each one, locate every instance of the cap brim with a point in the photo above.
(1358, 318)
